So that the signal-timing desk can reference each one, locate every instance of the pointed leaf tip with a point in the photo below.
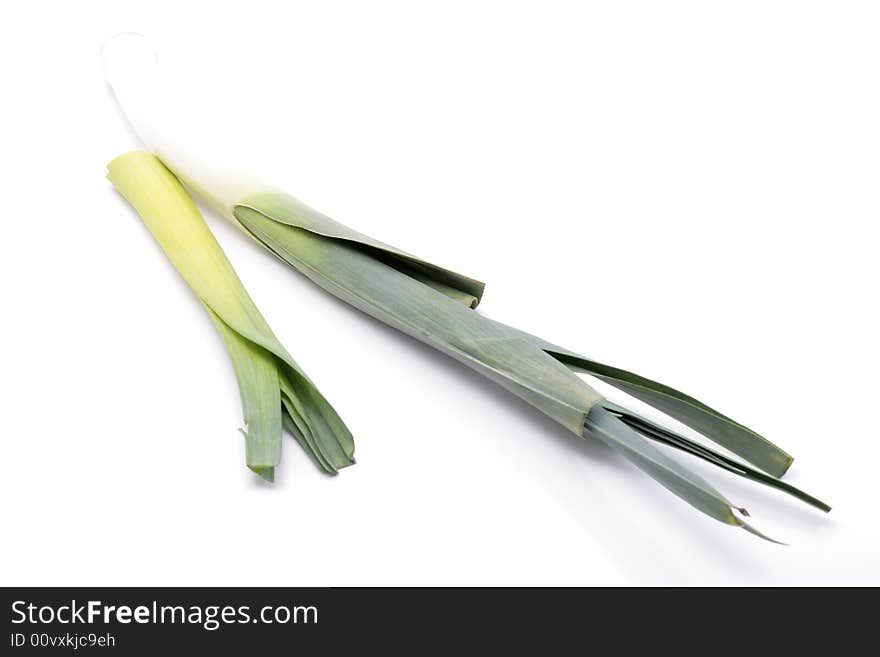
(265, 473)
(749, 528)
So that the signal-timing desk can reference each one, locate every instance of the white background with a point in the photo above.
(685, 189)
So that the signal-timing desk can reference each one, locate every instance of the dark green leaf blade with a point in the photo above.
(605, 426)
(320, 427)
(687, 485)
(728, 433)
(674, 439)
(256, 372)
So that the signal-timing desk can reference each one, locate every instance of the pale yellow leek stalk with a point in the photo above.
(275, 392)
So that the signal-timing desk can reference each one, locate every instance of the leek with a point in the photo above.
(275, 392)
(436, 306)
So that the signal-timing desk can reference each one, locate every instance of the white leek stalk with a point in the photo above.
(435, 305)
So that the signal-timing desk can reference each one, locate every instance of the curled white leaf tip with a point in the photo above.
(131, 69)
(126, 51)
(169, 127)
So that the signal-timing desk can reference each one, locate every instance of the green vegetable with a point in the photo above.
(275, 392)
(379, 281)
(436, 306)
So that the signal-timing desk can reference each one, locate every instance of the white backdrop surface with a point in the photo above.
(685, 189)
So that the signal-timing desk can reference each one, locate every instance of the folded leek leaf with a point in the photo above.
(673, 439)
(256, 372)
(290, 211)
(265, 372)
(605, 426)
(420, 310)
(739, 439)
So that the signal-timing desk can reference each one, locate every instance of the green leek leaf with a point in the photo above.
(726, 432)
(686, 484)
(508, 357)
